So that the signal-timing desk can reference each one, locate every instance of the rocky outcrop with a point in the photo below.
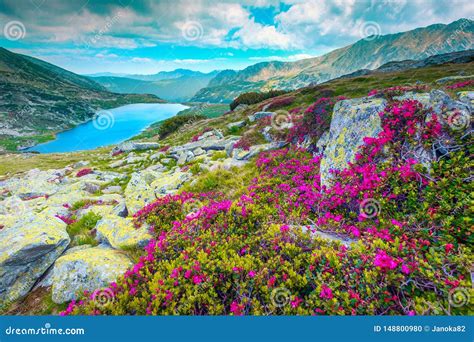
(86, 269)
(27, 250)
(352, 121)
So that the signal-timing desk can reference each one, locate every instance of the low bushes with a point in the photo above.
(253, 97)
(171, 125)
(251, 256)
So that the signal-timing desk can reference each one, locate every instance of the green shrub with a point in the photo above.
(253, 97)
(171, 125)
(81, 230)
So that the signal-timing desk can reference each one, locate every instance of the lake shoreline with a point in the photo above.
(109, 115)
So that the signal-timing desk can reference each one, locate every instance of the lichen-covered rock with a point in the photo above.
(86, 269)
(145, 186)
(259, 115)
(120, 233)
(423, 98)
(184, 157)
(467, 97)
(352, 120)
(36, 183)
(241, 154)
(237, 124)
(27, 250)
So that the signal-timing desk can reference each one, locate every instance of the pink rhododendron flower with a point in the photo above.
(448, 247)
(326, 292)
(384, 261)
(236, 308)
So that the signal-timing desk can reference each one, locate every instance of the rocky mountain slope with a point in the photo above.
(37, 97)
(259, 212)
(368, 53)
(177, 85)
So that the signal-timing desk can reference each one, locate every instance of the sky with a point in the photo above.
(148, 36)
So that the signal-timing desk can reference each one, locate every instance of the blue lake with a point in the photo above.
(109, 127)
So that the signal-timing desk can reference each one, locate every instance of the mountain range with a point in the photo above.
(37, 97)
(177, 85)
(369, 53)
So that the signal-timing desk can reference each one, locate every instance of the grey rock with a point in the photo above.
(27, 250)
(113, 189)
(352, 120)
(157, 155)
(259, 115)
(88, 269)
(237, 124)
(120, 233)
(118, 163)
(199, 151)
(81, 163)
(91, 188)
(120, 210)
(129, 146)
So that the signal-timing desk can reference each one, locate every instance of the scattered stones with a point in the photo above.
(453, 78)
(129, 146)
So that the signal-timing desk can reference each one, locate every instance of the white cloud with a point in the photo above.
(255, 35)
(304, 25)
(141, 60)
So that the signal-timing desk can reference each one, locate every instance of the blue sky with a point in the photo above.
(146, 36)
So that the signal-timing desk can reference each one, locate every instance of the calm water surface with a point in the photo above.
(110, 127)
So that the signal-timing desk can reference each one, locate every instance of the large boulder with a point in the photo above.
(27, 250)
(352, 120)
(120, 233)
(86, 269)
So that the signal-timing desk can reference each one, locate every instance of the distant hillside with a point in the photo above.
(452, 57)
(364, 54)
(177, 85)
(37, 97)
